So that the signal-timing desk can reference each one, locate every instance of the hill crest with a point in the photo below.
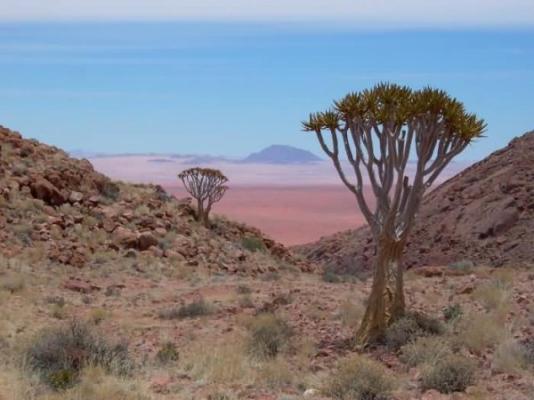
(484, 214)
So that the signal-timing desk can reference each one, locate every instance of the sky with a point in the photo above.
(230, 77)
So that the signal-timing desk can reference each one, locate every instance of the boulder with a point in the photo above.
(44, 190)
(146, 240)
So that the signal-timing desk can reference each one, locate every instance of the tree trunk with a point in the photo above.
(200, 211)
(386, 301)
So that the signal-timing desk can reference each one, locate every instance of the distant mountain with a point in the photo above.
(281, 154)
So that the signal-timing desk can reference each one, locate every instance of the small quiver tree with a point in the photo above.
(379, 131)
(207, 187)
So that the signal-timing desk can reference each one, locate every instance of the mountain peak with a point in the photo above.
(282, 154)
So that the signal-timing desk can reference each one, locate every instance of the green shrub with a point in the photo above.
(452, 312)
(269, 335)
(253, 243)
(453, 373)
(425, 350)
(58, 355)
(359, 378)
(409, 328)
(167, 353)
(194, 309)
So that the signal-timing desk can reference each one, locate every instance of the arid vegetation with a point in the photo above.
(159, 307)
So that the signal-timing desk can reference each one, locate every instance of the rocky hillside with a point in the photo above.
(485, 214)
(63, 210)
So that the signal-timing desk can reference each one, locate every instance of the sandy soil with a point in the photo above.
(291, 215)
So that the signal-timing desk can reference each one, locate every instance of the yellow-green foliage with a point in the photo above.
(359, 378)
(453, 373)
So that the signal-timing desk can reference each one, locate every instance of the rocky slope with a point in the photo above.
(485, 214)
(68, 213)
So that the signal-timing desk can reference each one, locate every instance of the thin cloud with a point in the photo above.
(361, 13)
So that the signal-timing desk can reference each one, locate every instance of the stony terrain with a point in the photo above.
(139, 302)
(60, 208)
(485, 215)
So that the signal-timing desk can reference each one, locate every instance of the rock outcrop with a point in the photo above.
(68, 213)
(485, 214)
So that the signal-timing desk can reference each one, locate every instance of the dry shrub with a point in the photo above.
(492, 295)
(195, 309)
(96, 384)
(268, 335)
(479, 331)
(509, 357)
(275, 373)
(350, 314)
(59, 355)
(453, 373)
(168, 353)
(359, 378)
(425, 350)
(528, 350)
(12, 282)
(409, 328)
(220, 363)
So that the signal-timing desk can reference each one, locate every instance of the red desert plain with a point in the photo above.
(293, 204)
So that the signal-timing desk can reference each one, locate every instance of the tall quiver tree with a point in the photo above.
(379, 131)
(206, 186)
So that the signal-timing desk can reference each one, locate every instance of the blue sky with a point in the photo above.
(233, 85)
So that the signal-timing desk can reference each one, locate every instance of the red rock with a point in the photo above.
(146, 240)
(42, 189)
(468, 288)
(80, 286)
(75, 197)
(125, 237)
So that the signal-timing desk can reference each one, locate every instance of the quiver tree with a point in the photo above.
(379, 131)
(206, 186)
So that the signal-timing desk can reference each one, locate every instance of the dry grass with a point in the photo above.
(493, 295)
(12, 282)
(453, 373)
(350, 314)
(359, 378)
(221, 363)
(425, 350)
(480, 331)
(509, 357)
(275, 373)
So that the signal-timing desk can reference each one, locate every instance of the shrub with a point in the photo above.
(527, 346)
(269, 335)
(492, 295)
(330, 276)
(480, 331)
(167, 353)
(463, 266)
(58, 355)
(359, 378)
(243, 289)
(194, 309)
(12, 283)
(452, 312)
(453, 373)
(253, 243)
(509, 357)
(425, 350)
(409, 328)
(350, 314)
(402, 332)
